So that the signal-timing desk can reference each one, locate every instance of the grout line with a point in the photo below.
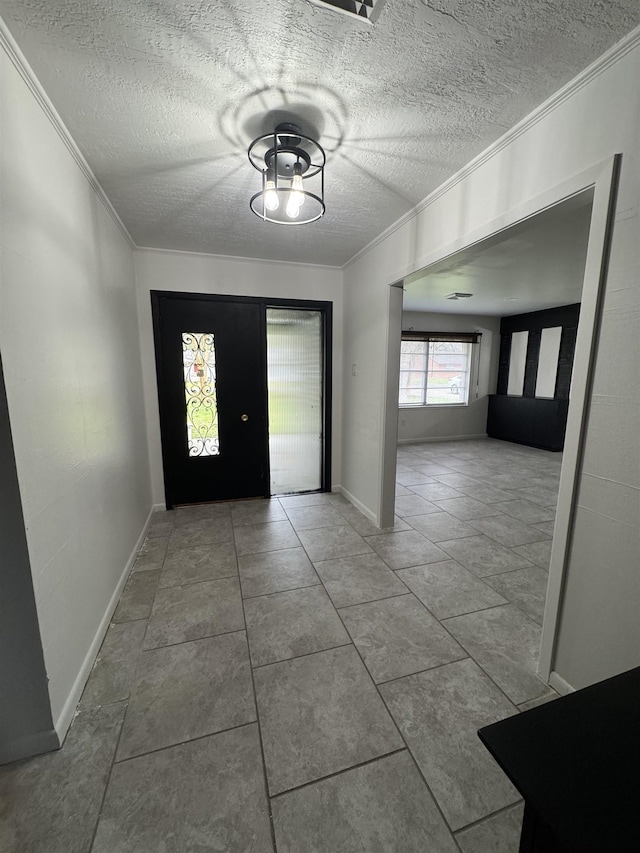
(298, 657)
(195, 639)
(465, 656)
(278, 591)
(340, 772)
(260, 739)
(484, 819)
(374, 600)
(106, 787)
(183, 742)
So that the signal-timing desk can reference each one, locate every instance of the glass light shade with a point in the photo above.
(271, 200)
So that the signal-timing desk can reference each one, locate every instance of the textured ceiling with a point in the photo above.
(163, 97)
(536, 264)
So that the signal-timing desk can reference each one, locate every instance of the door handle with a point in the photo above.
(244, 418)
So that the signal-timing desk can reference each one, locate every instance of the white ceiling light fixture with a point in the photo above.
(292, 169)
(457, 295)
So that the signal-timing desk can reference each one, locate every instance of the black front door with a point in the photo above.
(210, 357)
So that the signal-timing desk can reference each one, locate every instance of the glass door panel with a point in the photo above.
(295, 382)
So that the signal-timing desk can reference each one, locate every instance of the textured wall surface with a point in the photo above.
(71, 357)
(163, 98)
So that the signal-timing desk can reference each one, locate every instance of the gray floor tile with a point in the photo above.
(497, 834)
(484, 492)
(506, 644)
(402, 490)
(187, 691)
(398, 636)
(151, 554)
(202, 512)
(113, 671)
(353, 580)
(526, 588)
(448, 589)
(465, 508)
(439, 713)
(275, 571)
(206, 532)
(526, 511)
(435, 492)
(507, 531)
(316, 515)
(314, 499)
(365, 527)
(161, 801)
(331, 543)
(50, 804)
(182, 613)
(404, 549)
(383, 807)
(412, 478)
(137, 597)
(541, 700)
(440, 526)
(457, 480)
(288, 624)
(319, 714)
(160, 524)
(413, 505)
(483, 556)
(205, 562)
(433, 469)
(257, 512)
(538, 552)
(258, 538)
(546, 527)
(543, 495)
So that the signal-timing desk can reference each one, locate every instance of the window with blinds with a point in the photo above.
(435, 368)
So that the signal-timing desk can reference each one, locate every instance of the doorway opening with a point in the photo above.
(244, 390)
(600, 181)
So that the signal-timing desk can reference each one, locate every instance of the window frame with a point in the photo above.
(429, 338)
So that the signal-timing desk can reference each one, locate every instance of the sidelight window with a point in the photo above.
(199, 365)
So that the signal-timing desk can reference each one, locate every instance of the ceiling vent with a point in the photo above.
(368, 10)
(457, 295)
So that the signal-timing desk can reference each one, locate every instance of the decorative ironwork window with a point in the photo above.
(199, 364)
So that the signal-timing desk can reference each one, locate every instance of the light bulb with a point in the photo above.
(297, 186)
(293, 208)
(271, 200)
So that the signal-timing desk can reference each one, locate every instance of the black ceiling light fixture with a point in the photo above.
(292, 169)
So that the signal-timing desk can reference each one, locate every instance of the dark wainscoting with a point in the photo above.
(528, 420)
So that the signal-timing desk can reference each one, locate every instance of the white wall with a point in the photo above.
(434, 422)
(600, 630)
(69, 337)
(194, 273)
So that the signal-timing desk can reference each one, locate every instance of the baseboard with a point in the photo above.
(442, 438)
(157, 508)
(559, 684)
(65, 717)
(28, 746)
(360, 506)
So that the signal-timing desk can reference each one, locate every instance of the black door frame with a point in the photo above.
(326, 311)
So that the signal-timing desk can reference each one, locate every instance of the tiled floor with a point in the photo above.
(282, 675)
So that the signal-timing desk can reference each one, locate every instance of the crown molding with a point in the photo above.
(17, 58)
(609, 58)
(239, 258)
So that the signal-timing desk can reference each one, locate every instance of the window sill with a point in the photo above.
(433, 406)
